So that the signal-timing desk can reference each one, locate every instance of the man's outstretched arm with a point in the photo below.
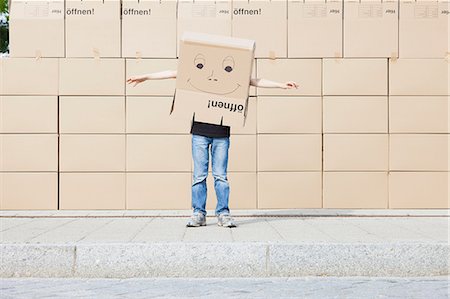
(260, 82)
(169, 74)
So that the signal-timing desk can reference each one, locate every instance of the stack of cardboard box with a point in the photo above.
(368, 127)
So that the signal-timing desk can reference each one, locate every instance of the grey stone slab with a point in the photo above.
(170, 260)
(32, 229)
(8, 223)
(254, 229)
(117, 230)
(435, 228)
(304, 287)
(93, 213)
(388, 229)
(209, 233)
(354, 259)
(36, 260)
(299, 230)
(343, 229)
(74, 231)
(161, 229)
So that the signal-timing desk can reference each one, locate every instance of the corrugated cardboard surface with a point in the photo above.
(371, 29)
(91, 152)
(93, 28)
(91, 191)
(28, 152)
(350, 190)
(423, 29)
(355, 152)
(419, 190)
(281, 190)
(355, 114)
(28, 114)
(374, 126)
(146, 190)
(314, 29)
(149, 28)
(101, 114)
(419, 152)
(28, 190)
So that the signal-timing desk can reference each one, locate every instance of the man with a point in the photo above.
(205, 138)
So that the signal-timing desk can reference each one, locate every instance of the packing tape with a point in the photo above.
(337, 55)
(447, 57)
(96, 53)
(394, 57)
(38, 54)
(138, 54)
(272, 55)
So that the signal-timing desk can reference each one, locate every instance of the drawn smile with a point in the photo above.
(237, 86)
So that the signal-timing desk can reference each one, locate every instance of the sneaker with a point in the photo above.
(225, 220)
(197, 219)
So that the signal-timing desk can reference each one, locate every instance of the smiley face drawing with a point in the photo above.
(214, 79)
(214, 68)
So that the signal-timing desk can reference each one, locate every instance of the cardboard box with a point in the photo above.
(355, 114)
(242, 191)
(250, 120)
(289, 114)
(213, 78)
(28, 152)
(371, 29)
(28, 114)
(149, 28)
(419, 152)
(99, 114)
(314, 29)
(158, 153)
(355, 152)
(29, 191)
(419, 114)
(138, 67)
(423, 29)
(263, 21)
(92, 77)
(289, 190)
(92, 191)
(355, 190)
(212, 17)
(93, 28)
(152, 191)
(91, 152)
(305, 72)
(419, 77)
(36, 28)
(419, 190)
(289, 152)
(43, 74)
(242, 153)
(151, 115)
(355, 77)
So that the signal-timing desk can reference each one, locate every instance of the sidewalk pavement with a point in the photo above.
(300, 243)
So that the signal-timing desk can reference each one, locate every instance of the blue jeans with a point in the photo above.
(219, 158)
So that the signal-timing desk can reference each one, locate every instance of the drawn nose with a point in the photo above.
(211, 78)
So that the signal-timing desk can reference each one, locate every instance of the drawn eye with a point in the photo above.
(228, 64)
(199, 61)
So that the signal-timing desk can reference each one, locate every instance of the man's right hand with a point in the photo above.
(136, 80)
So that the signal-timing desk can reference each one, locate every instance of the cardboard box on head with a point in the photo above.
(213, 78)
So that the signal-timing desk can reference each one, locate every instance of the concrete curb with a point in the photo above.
(218, 259)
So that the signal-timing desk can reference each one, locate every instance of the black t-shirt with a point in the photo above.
(210, 130)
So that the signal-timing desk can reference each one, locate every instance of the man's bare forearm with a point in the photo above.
(260, 82)
(162, 75)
